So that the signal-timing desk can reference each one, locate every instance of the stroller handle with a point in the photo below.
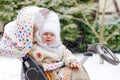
(105, 53)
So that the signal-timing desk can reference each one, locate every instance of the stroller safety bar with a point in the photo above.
(105, 53)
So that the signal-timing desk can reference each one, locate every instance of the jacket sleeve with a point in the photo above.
(49, 67)
(35, 51)
(68, 57)
(46, 66)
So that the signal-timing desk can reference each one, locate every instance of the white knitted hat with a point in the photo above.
(51, 24)
(40, 17)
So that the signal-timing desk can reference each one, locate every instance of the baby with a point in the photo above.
(52, 55)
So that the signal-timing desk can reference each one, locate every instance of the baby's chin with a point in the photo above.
(48, 43)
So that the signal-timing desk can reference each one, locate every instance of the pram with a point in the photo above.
(33, 71)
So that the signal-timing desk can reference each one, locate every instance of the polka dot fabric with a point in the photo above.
(18, 42)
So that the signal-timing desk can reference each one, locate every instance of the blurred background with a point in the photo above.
(83, 22)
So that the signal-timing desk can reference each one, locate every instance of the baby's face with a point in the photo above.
(48, 38)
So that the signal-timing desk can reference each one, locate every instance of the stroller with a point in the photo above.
(33, 71)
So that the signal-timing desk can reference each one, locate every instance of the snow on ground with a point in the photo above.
(10, 68)
(99, 71)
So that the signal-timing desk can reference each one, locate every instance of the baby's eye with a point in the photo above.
(45, 34)
(52, 35)
(49, 33)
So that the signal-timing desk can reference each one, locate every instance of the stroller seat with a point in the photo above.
(32, 70)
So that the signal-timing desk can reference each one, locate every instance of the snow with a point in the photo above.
(98, 71)
(10, 68)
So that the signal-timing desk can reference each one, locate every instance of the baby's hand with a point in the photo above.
(74, 65)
